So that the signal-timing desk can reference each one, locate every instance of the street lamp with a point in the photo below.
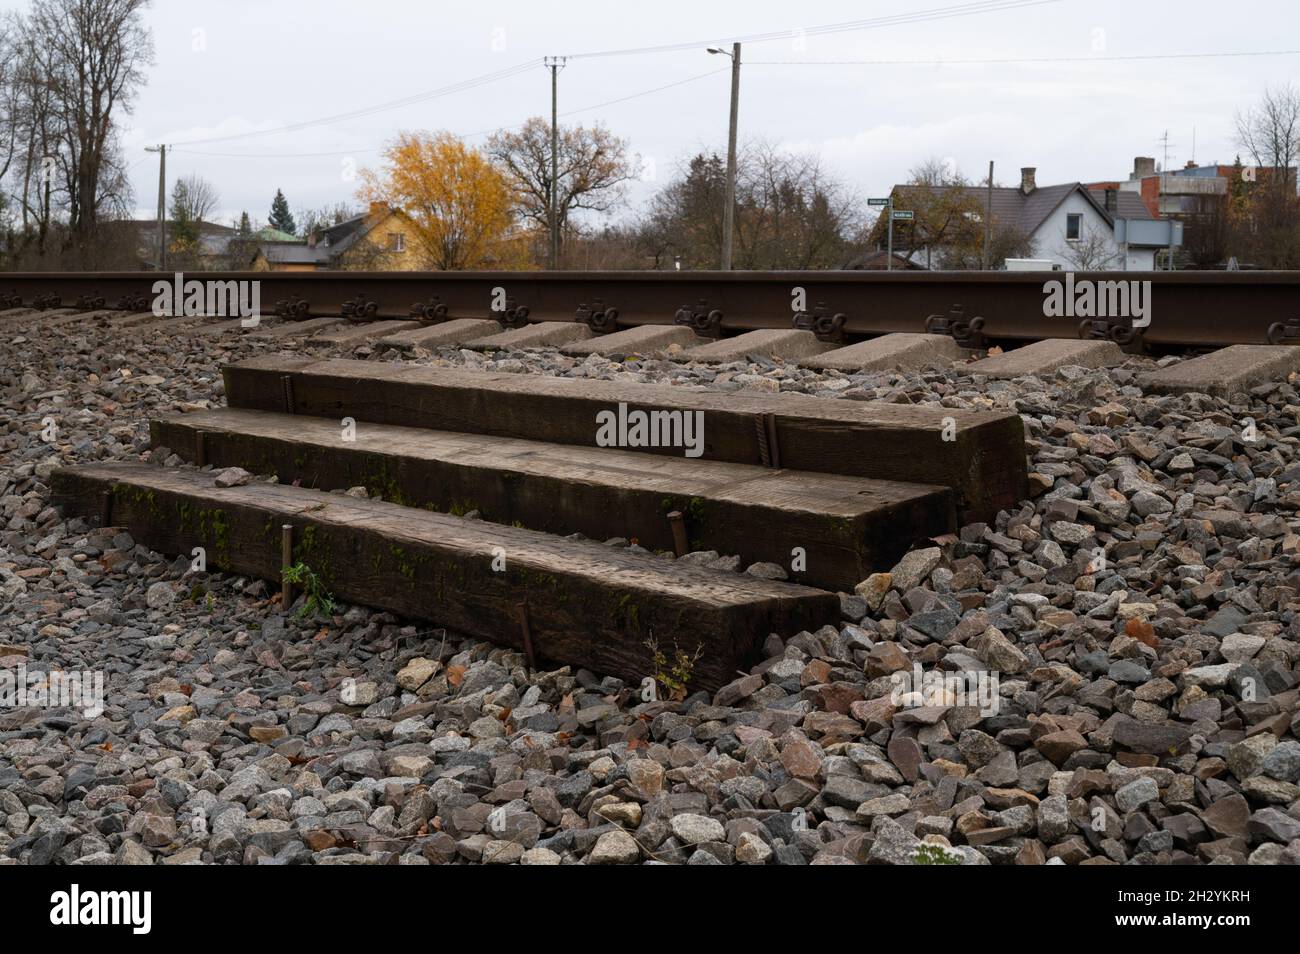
(728, 213)
(162, 202)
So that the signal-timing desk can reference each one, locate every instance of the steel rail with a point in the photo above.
(1198, 309)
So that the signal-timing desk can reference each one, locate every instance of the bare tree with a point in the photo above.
(789, 213)
(8, 101)
(36, 140)
(947, 211)
(1270, 133)
(315, 220)
(90, 55)
(194, 199)
(1266, 211)
(1092, 251)
(592, 169)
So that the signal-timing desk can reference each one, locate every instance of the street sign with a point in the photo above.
(877, 202)
(899, 214)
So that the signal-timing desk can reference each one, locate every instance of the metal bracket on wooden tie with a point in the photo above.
(359, 308)
(678, 525)
(432, 311)
(701, 319)
(826, 326)
(769, 449)
(512, 316)
(1284, 332)
(286, 561)
(293, 307)
(967, 332)
(599, 317)
(1118, 330)
(525, 628)
(286, 385)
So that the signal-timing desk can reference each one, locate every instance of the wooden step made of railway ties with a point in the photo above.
(979, 454)
(827, 530)
(585, 604)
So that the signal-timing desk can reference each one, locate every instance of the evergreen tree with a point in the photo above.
(281, 218)
(245, 226)
(184, 228)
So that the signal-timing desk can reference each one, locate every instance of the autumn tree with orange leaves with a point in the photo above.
(461, 204)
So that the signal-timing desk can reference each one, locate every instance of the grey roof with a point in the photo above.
(294, 253)
(346, 233)
(876, 261)
(1012, 206)
(214, 243)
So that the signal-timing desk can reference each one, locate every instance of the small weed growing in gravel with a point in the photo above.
(320, 601)
(935, 855)
(675, 677)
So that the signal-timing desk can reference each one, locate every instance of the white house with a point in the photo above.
(1069, 225)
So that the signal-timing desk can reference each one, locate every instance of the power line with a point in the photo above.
(657, 89)
(1029, 59)
(871, 23)
(275, 155)
(699, 76)
(472, 83)
(919, 16)
(482, 132)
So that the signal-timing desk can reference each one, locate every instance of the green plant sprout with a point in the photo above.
(319, 601)
(675, 677)
(928, 854)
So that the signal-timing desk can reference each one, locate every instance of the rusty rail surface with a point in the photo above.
(1199, 309)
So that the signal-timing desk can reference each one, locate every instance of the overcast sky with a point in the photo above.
(230, 67)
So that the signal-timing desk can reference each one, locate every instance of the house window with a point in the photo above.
(396, 242)
(1073, 226)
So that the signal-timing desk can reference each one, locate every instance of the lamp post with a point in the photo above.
(729, 211)
(162, 202)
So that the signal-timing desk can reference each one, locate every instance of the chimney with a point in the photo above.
(311, 239)
(1112, 200)
(1027, 179)
(1143, 166)
(378, 208)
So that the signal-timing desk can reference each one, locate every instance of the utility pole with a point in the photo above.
(988, 215)
(161, 149)
(889, 250)
(553, 63)
(1160, 191)
(729, 210)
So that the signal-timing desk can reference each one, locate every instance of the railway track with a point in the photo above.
(1133, 309)
(827, 491)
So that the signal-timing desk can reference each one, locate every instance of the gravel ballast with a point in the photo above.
(1108, 674)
